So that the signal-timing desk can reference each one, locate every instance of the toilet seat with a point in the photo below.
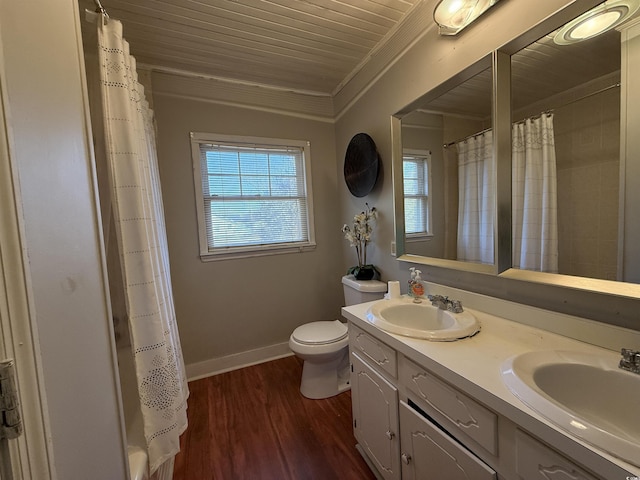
(320, 333)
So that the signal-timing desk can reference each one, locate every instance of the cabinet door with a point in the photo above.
(375, 417)
(428, 453)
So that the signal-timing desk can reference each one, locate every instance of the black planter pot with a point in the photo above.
(365, 273)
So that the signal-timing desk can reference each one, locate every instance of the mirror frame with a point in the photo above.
(609, 287)
(500, 62)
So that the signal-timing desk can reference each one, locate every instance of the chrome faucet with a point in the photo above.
(444, 303)
(630, 360)
(455, 306)
(438, 301)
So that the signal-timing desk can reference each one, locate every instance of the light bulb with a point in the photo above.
(453, 15)
(595, 25)
(598, 20)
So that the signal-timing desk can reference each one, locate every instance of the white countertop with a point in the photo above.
(473, 365)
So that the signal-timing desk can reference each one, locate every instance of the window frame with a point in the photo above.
(224, 253)
(425, 155)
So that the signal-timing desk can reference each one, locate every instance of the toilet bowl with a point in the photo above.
(324, 345)
(324, 348)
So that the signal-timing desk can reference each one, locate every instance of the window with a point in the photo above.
(253, 195)
(416, 169)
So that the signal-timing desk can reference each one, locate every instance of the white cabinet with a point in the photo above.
(412, 424)
(375, 417)
(428, 453)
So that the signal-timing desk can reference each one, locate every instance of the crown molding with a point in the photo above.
(417, 23)
(186, 85)
(300, 103)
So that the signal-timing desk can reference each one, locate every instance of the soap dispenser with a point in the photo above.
(416, 288)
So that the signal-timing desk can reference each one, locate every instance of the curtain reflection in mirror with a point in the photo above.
(476, 190)
(534, 195)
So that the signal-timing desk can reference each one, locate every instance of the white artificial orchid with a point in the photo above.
(359, 235)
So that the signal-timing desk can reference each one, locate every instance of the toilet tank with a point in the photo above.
(360, 291)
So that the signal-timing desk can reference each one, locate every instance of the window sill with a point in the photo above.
(419, 237)
(249, 252)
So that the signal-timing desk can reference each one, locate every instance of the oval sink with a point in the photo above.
(586, 395)
(421, 320)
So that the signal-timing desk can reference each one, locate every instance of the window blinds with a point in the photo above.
(416, 184)
(254, 195)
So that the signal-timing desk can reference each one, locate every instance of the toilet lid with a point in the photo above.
(320, 333)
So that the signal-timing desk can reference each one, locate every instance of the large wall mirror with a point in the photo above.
(573, 212)
(444, 174)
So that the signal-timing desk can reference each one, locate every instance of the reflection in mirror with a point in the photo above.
(566, 169)
(448, 170)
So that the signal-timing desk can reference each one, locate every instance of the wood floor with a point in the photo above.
(254, 424)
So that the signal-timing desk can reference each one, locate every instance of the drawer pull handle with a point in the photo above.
(406, 459)
(390, 434)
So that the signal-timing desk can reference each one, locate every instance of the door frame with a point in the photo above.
(31, 454)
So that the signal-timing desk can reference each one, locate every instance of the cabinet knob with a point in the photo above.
(390, 434)
(406, 459)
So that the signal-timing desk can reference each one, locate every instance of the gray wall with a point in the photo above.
(231, 306)
(588, 168)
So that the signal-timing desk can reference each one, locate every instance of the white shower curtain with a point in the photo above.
(534, 185)
(476, 194)
(139, 218)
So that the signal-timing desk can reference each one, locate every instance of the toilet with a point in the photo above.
(324, 345)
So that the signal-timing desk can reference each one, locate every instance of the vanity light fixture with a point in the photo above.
(598, 20)
(453, 15)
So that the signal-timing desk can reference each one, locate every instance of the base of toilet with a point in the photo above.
(326, 379)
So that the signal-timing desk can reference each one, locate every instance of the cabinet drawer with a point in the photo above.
(536, 461)
(430, 454)
(374, 350)
(464, 413)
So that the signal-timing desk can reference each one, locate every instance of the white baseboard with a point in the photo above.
(214, 366)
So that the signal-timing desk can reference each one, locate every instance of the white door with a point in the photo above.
(26, 457)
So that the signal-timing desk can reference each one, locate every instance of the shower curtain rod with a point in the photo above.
(546, 112)
(450, 144)
(100, 8)
(571, 102)
(92, 16)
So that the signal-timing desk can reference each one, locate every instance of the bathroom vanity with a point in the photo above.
(432, 410)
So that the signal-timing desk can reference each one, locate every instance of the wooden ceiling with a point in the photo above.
(543, 75)
(317, 46)
(545, 70)
(304, 45)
